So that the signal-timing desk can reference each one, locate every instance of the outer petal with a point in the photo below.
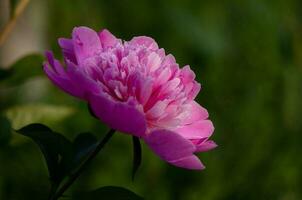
(55, 64)
(74, 81)
(86, 43)
(206, 146)
(195, 90)
(187, 75)
(84, 83)
(190, 162)
(196, 130)
(146, 41)
(56, 73)
(67, 48)
(107, 39)
(61, 81)
(118, 115)
(197, 112)
(173, 148)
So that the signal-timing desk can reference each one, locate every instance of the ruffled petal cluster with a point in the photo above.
(134, 87)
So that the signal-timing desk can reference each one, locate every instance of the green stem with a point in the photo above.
(53, 189)
(75, 175)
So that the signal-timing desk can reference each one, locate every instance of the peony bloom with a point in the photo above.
(135, 88)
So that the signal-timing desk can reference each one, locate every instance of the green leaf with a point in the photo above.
(108, 193)
(37, 113)
(27, 67)
(5, 130)
(57, 150)
(5, 73)
(137, 155)
(83, 144)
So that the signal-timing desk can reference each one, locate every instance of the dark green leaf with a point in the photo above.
(137, 155)
(25, 68)
(109, 193)
(83, 144)
(5, 73)
(57, 150)
(5, 130)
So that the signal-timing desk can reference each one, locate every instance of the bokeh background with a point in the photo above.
(246, 54)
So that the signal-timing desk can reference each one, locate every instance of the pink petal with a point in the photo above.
(190, 162)
(163, 77)
(173, 148)
(157, 110)
(145, 41)
(74, 81)
(145, 91)
(107, 38)
(154, 61)
(56, 73)
(86, 43)
(118, 115)
(169, 60)
(55, 64)
(195, 90)
(197, 112)
(187, 75)
(61, 81)
(84, 84)
(206, 146)
(67, 48)
(196, 130)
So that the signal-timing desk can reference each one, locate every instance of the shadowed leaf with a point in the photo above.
(5, 130)
(82, 145)
(27, 67)
(57, 150)
(5, 73)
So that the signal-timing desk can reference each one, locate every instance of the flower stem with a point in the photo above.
(53, 189)
(76, 174)
(12, 22)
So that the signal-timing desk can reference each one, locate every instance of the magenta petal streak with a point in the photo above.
(135, 88)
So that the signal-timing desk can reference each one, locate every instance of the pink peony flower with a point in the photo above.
(134, 87)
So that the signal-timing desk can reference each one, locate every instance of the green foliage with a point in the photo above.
(4, 73)
(82, 145)
(57, 150)
(61, 155)
(27, 67)
(108, 193)
(5, 130)
(65, 158)
(21, 115)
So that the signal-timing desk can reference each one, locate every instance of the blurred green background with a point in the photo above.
(246, 54)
